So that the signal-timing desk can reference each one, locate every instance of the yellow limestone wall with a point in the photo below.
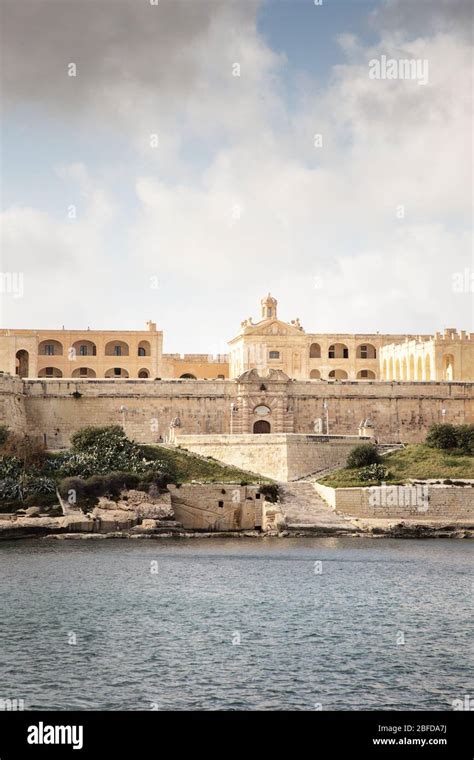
(281, 456)
(433, 502)
(217, 507)
(399, 411)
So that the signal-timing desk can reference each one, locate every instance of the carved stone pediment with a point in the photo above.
(252, 376)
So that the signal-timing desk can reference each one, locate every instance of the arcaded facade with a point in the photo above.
(266, 344)
(448, 357)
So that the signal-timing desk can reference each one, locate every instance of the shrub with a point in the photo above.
(29, 450)
(465, 438)
(26, 485)
(374, 472)
(88, 490)
(66, 485)
(4, 433)
(10, 467)
(155, 479)
(363, 456)
(100, 451)
(442, 436)
(89, 437)
(271, 492)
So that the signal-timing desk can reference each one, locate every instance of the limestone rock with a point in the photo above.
(32, 512)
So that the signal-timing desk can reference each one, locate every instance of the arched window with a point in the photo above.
(315, 374)
(50, 348)
(144, 348)
(143, 373)
(116, 348)
(83, 372)
(117, 372)
(366, 374)
(404, 369)
(338, 351)
(50, 372)
(84, 348)
(366, 351)
(448, 367)
(338, 374)
(187, 376)
(427, 368)
(315, 351)
(22, 363)
(419, 369)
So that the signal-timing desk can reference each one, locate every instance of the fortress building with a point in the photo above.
(266, 344)
(277, 379)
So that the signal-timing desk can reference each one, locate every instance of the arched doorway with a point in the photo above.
(261, 426)
(22, 363)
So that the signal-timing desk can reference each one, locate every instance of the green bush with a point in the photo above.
(24, 485)
(465, 438)
(100, 451)
(449, 437)
(90, 437)
(270, 491)
(363, 456)
(10, 467)
(68, 485)
(155, 478)
(4, 433)
(88, 490)
(442, 436)
(374, 472)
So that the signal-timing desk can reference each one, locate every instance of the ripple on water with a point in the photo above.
(236, 624)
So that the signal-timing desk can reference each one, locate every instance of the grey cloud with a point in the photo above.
(126, 46)
(425, 17)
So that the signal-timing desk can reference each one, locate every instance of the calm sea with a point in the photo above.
(239, 624)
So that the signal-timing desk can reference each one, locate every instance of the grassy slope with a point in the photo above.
(187, 467)
(416, 461)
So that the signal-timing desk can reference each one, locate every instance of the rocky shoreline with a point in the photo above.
(139, 515)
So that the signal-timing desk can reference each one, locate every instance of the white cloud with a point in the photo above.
(269, 210)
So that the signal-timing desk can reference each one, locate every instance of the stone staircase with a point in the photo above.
(305, 510)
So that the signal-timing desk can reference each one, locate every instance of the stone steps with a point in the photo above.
(304, 508)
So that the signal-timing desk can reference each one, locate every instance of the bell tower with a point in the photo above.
(269, 307)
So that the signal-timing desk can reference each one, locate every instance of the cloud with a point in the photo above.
(362, 233)
(61, 261)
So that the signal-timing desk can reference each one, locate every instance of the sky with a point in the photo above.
(177, 160)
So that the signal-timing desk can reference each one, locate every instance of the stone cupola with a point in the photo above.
(269, 307)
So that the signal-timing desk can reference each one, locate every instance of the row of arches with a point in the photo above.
(341, 374)
(408, 368)
(341, 351)
(89, 348)
(88, 372)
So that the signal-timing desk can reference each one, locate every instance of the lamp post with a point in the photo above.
(443, 415)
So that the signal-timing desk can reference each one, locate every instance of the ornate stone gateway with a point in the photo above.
(262, 403)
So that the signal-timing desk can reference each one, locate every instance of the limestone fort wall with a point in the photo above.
(400, 411)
